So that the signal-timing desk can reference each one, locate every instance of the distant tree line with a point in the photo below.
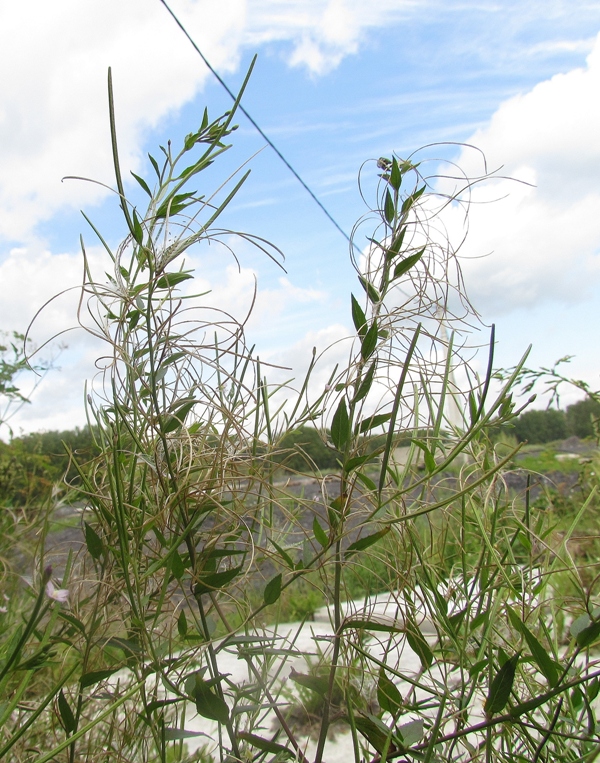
(32, 464)
(545, 426)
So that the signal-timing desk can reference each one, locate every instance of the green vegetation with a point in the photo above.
(192, 546)
(547, 425)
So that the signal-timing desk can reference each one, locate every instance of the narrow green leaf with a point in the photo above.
(358, 317)
(95, 676)
(284, 554)
(318, 684)
(366, 383)
(371, 625)
(428, 458)
(369, 540)
(133, 318)
(208, 704)
(420, 647)
(177, 418)
(66, 713)
(366, 481)
(215, 580)
(266, 745)
(373, 421)
(372, 292)
(319, 533)
(395, 175)
(177, 565)
(394, 249)
(272, 590)
(72, 620)
(373, 732)
(138, 231)
(143, 183)
(369, 342)
(588, 635)
(388, 206)
(182, 626)
(340, 426)
(173, 358)
(411, 732)
(169, 280)
(155, 165)
(352, 463)
(93, 542)
(577, 697)
(388, 696)
(175, 204)
(501, 687)
(174, 735)
(406, 264)
(544, 662)
(473, 408)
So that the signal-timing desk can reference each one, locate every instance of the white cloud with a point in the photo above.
(54, 59)
(543, 241)
(275, 311)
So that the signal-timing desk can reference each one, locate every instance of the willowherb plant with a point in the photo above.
(195, 542)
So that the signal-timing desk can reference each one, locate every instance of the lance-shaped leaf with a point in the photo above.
(411, 733)
(374, 730)
(358, 317)
(266, 745)
(208, 704)
(366, 383)
(584, 629)
(420, 647)
(66, 713)
(215, 580)
(369, 342)
(272, 590)
(369, 540)
(544, 662)
(372, 292)
(406, 264)
(388, 696)
(388, 206)
(501, 687)
(175, 204)
(138, 231)
(427, 456)
(318, 684)
(340, 426)
(174, 734)
(143, 183)
(373, 421)
(320, 534)
(182, 626)
(170, 280)
(95, 676)
(352, 463)
(93, 542)
(395, 175)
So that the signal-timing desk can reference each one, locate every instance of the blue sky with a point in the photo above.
(336, 83)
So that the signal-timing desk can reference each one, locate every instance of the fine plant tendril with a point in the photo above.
(457, 624)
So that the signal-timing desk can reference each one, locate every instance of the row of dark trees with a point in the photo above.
(552, 424)
(32, 464)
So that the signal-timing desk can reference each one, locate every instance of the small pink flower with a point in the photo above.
(58, 594)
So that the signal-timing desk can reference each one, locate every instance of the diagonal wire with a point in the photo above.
(257, 127)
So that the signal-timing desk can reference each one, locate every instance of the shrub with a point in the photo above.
(541, 426)
(581, 417)
(191, 544)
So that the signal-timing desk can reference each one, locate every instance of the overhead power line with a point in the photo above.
(257, 126)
